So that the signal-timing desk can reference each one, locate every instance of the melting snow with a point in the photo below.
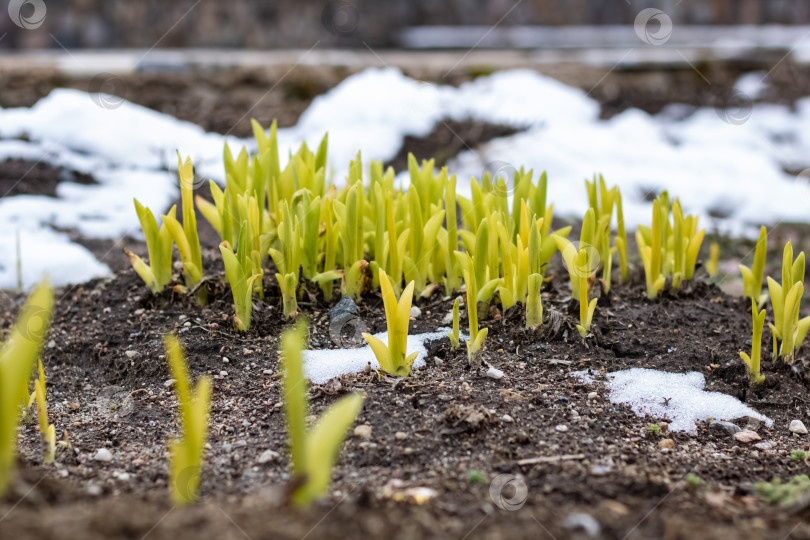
(324, 364)
(678, 397)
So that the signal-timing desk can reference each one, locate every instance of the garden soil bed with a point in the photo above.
(448, 427)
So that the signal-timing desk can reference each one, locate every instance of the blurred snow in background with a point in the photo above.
(727, 165)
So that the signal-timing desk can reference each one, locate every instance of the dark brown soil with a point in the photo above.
(23, 177)
(223, 101)
(435, 429)
(448, 139)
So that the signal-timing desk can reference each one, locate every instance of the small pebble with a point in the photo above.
(363, 431)
(415, 312)
(747, 436)
(494, 373)
(103, 455)
(448, 319)
(666, 444)
(508, 419)
(131, 354)
(718, 427)
(267, 372)
(94, 490)
(561, 428)
(584, 522)
(764, 445)
(400, 435)
(267, 456)
(223, 373)
(169, 382)
(797, 426)
(225, 359)
(593, 395)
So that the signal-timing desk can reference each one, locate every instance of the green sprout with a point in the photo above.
(185, 235)
(651, 253)
(693, 480)
(752, 277)
(394, 358)
(714, 259)
(786, 301)
(239, 269)
(187, 451)
(534, 304)
(17, 357)
(455, 334)
(313, 453)
(621, 239)
(477, 477)
(586, 309)
(784, 494)
(46, 431)
(797, 456)
(477, 337)
(288, 261)
(752, 362)
(158, 273)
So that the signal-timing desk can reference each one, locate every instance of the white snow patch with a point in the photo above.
(324, 364)
(49, 254)
(678, 397)
(752, 84)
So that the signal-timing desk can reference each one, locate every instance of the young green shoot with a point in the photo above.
(238, 270)
(477, 337)
(651, 254)
(455, 334)
(186, 452)
(185, 235)
(394, 358)
(621, 239)
(786, 301)
(752, 362)
(47, 431)
(288, 260)
(752, 277)
(313, 453)
(158, 273)
(586, 309)
(17, 356)
(714, 259)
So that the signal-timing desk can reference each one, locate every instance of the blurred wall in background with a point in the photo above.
(262, 24)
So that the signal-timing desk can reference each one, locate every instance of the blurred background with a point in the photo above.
(258, 24)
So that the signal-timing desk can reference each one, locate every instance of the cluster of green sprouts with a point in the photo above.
(788, 330)
(669, 248)
(407, 240)
(423, 234)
